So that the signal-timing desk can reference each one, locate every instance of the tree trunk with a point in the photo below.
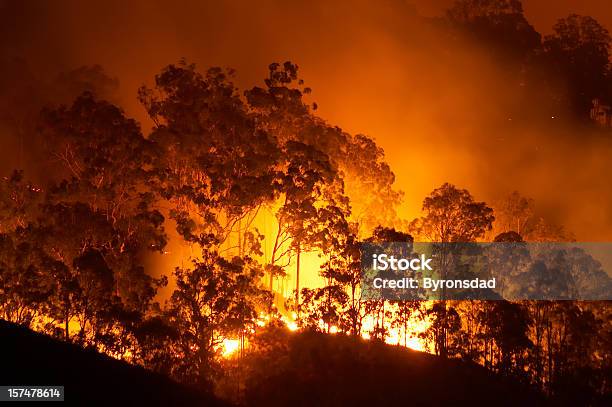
(66, 327)
(297, 282)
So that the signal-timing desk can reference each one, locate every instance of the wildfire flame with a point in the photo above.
(229, 347)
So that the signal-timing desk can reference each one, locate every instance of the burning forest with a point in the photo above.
(204, 226)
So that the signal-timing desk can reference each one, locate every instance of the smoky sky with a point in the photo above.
(382, 68)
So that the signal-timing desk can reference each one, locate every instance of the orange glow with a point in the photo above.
(229, 347)
(396, 336)
(291, 324)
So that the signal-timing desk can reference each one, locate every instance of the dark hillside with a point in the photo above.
(305, 369)
(313, 369)
(89, 378)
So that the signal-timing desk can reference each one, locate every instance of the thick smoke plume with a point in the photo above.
(443, 107)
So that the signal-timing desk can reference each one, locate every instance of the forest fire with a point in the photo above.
(230, 346)
(204, 227)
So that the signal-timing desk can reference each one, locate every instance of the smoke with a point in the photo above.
(442, 107)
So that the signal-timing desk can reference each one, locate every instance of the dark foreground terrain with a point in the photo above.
(313, 369)
(89, 378)
(291, 370)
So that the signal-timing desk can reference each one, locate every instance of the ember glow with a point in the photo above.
(230, 347)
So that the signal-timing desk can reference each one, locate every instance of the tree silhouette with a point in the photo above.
(443, 330)
(25, 289)
(213, 300)
(514, 213)
(500, 24)
(212, 162)
(452, 215)
(97, 220)
(579, 50)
